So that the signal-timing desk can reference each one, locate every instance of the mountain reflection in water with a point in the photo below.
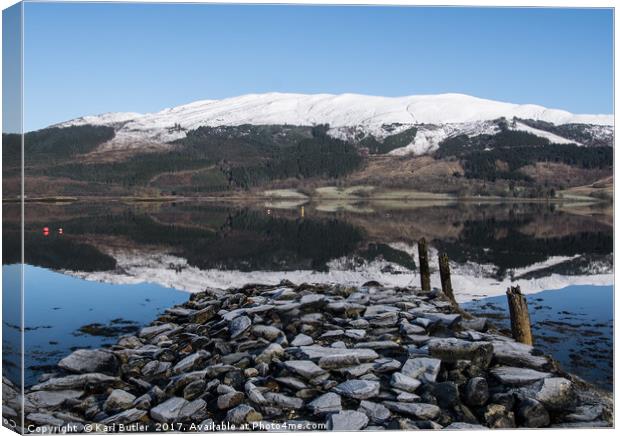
(189, 245)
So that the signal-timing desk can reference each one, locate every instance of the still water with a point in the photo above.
(115, 266)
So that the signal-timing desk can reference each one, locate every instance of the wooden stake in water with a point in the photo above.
(519, 316)
(425, 272)
(444, 274)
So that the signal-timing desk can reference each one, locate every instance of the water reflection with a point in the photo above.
(133, 255)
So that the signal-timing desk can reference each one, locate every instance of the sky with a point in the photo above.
(82, 59)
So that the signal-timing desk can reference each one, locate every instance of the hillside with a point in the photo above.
(448, 143)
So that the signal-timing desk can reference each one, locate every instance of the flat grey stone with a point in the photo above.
(304, 368)
(243, 414)
(347, 420)
(326, 403)
(75, 382)
(51, 399)
(377, 413)
(191, 362)
(358, 389)
(268, 332)
(169, 410)
(404, 382)
(511, 375)
(154, 368)
(425, 369)
(302, 340)
(313, 352)
(230, 400)
(88, 361)
(118, 400)
(284, 401)
(126, 417)
(417, 410)
(156, 330)
(239, 325)
(517, 354)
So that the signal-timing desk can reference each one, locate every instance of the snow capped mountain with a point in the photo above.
(438, 116)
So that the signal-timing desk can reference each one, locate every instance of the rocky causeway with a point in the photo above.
(310, 357)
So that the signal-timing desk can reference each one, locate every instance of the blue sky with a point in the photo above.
(92, 58)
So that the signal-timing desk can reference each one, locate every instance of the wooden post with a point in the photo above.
(444, 274)
(519, 316)
(425, 272)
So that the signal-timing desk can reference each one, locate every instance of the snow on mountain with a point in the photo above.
(369, 114)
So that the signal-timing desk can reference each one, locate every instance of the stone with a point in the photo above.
(126, 417)
(76, 382)
(267, 332)
(357, 370)
(358, 389)
(518, 355)
(51, 399)
(425, 369)
(355, 333)
(453, 349)
(511, 375)
(386, 365)
(194, 389)
(326, 403)
(379, 345)
(476, 392)
(254, 394)
(585, 413)
(230, 400)
(555, 393)
(304, 368)
(332, 334)
(497, 416)
(446, 393)
(143, 402)
(302, 340)
(532, 414)
(193, 411)
(191, 362)
(292, 382)
(465, 426)
(85, 361)
(338, 361)
(386, 319)
(417, 410)
(203, 315)
(118, 400)
(283, 401)
(243, 414)
(314, 301)
(238, 326)
(404, 382)
(347, 420)
(407, 328)
(156, 330)
(155, 368)
(44, 419)
(377, 413)
(169, 410)
(270, 353)
(314, 352)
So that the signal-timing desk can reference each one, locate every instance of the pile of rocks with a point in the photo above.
(312, 357)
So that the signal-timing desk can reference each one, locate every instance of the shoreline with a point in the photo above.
(344, 357)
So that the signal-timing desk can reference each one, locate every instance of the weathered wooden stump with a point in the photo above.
(425, 272)
(519, 316)
(444, 274)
